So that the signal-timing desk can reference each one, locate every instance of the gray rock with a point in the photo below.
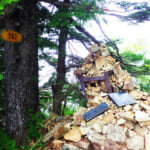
(116, 133)
(70, 147)
(135, 143)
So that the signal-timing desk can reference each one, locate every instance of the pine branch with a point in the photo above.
(61, 4)
(47, 59)
(73, 87)
(74, 62)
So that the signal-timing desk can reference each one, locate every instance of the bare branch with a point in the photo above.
(116, 15)
(81, 29)
(127, 18)
(71, 45)
(84, 45)
(71, 66)
(116, 47)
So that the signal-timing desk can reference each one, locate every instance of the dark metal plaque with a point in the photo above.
(95, 111)
(121, 99)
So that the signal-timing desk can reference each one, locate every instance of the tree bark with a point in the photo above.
(61, 72)
(21, 74)
(58, 95)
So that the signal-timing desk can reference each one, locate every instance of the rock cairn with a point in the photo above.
(118, 128)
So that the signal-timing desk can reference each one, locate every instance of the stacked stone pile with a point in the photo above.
(118, 128)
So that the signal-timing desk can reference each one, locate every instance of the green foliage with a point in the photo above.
(1, 77)
(130, 56)
(76, 35)
(6, 143)
(144, 82)
(35, 124)
(4, 3)
(86, 10)
(147, 66)
(73, 94)
(61, 18)
(138, 65)
(70, 110)
(45, 42)
(38, 145)
(134, 60)
(45, 102)
(147, 61)
(74, 99)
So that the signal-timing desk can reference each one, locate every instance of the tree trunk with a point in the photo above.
(58, 95)
(21, 74)
(61, 72)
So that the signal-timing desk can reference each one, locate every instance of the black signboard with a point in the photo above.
(121, 99)
(96, 111)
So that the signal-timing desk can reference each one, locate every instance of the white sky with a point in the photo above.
(130, 34)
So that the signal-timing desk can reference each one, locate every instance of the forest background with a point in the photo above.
(52, 35)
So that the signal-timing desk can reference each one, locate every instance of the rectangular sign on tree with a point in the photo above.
(11, 36)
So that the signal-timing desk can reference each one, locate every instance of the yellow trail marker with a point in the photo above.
(11, 36)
